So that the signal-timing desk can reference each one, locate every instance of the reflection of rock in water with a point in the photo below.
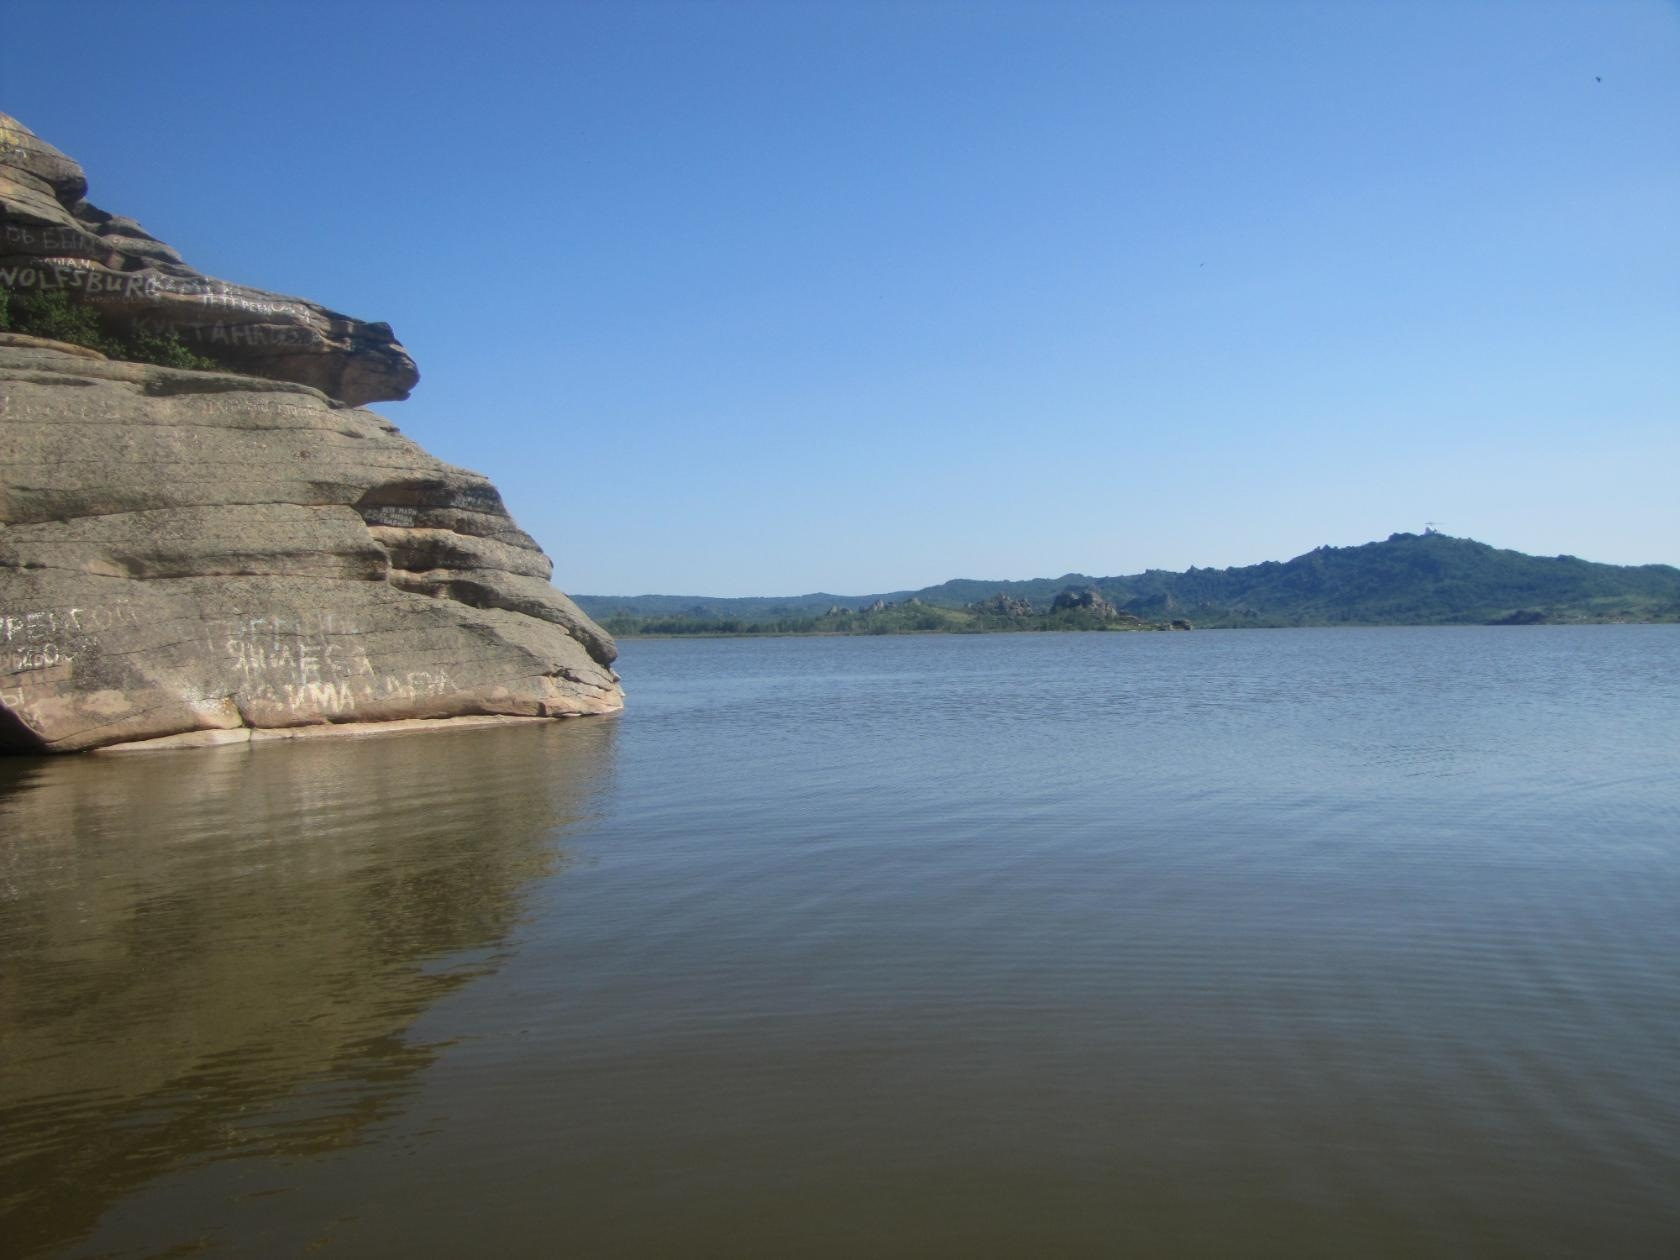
(213, 955)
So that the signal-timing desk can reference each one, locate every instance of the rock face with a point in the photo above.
(53, 240)
(189, 551)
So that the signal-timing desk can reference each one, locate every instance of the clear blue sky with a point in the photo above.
(781, 297)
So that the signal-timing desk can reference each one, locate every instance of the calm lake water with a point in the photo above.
(1291, 943)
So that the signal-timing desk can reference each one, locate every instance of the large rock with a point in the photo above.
(53, 240)
(1089, 599)
(187, 551)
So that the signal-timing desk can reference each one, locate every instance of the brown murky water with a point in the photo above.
(1278, 943)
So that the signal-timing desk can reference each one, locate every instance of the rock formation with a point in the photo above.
(185, 551)
(194, 556)
(52, 240)
(1089, 599)
(1002, 605)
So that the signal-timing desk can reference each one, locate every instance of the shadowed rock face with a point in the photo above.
(186, 551)
(53, 239)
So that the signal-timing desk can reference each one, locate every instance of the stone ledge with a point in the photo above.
(23, 341)
(326, 730)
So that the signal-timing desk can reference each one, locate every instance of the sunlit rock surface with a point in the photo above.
(185, 551)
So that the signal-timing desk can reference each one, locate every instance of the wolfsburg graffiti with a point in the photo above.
(88, 278)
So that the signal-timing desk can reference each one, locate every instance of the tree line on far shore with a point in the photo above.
(1070, 610)
(1406, 580)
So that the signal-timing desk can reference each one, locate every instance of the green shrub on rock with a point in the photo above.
(54, 316)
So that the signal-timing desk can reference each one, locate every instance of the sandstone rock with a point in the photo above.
(53, 240)
(198, 551)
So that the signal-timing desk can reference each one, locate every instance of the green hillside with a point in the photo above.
(1407, 579)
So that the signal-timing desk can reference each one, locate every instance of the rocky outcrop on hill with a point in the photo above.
(1002, 605)
(53, 241)
(211, 554)
(1090, 600)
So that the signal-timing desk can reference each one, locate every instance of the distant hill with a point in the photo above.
(1407, 579)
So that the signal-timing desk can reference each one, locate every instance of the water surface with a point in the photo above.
(1261, 943)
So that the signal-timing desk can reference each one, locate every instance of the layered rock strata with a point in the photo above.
(188, 551)
(52, 240)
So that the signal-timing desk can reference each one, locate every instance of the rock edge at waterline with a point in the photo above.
(185, 551)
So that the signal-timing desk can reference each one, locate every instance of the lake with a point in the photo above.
(1292, 943)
